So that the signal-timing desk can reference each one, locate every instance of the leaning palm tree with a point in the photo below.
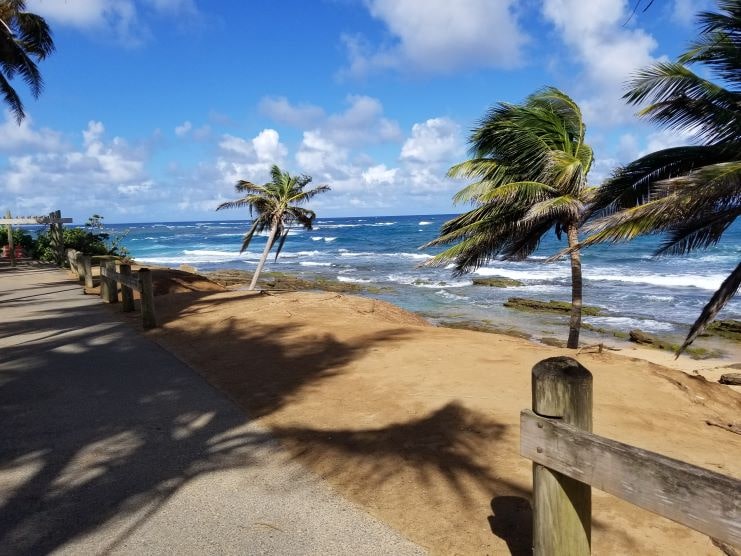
(275, 208)
(530, 163)
(690, 194)
(25, 39)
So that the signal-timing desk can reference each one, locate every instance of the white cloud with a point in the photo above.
(685, 11)
(439, 36)
(318, 154)
(379, 174)
(361, 123)
(183, 129)
(52, 176)
(120, 20)
(14, 137)
(435, 140)
(608, 51)
(296, 115)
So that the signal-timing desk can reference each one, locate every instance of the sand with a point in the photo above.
(420, 424)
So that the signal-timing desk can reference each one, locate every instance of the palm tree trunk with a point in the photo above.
(576, 288)
(264, 256)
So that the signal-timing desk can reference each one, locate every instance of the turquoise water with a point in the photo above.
(635, 290)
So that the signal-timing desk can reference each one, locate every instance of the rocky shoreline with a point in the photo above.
(720, 331)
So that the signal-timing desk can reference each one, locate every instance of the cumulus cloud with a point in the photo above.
(121, 20)
(435, 140)
(183, 129)
(438, 36)
(607, 50)
(361, 123)
(360, 183)
(51, 176)
(684, 11)
(281, 110)
(14, 137)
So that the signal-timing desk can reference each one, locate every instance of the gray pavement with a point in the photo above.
(110, 445)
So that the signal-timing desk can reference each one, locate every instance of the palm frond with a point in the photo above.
(682, 100)
(720, 298)
(257, 227)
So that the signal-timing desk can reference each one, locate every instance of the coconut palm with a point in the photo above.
(275, 208)
(530, 163)
(25, 39)
(690, 194)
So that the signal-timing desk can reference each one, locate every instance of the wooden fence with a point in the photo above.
(568, 459)
(140, 281)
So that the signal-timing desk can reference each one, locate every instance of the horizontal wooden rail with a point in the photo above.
(698, 498)
(129, 280)
(40, 220)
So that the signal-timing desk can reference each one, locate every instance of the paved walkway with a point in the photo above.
(109, 444)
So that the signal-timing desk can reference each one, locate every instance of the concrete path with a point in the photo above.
(110, 445)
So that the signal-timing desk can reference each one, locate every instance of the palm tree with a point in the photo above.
(275, 206)
(25, 39)
(690, 194)
(531, 163)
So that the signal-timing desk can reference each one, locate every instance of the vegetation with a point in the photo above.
(690, 194)
(91, 240)
(275, 207)
(20, 238)
(530, 163)
(25, 39)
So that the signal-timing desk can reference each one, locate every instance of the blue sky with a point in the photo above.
(152, 109)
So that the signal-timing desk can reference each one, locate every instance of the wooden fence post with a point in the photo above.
(147, 298)
(127, 294)
(108, 286)
(11, 243)
(562, 507)
(79, 267)
(88, 270)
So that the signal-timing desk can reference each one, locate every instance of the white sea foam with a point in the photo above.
(424, 223)
(314, 263)
(353, 280)
(414, 280)
(709, 282)
(451, 296)
(198, 256)
(543, 273)
(628, 323)
(415, 256)
(229, 235)
(329, 239)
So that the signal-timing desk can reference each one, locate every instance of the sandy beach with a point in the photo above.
(419, 424)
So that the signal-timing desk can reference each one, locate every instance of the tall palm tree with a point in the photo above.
(275, 208)
(691, 194)
(530, 163)
(25, 39)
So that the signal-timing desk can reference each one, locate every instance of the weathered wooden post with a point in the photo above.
(11, 242)
(108, 286)
(147, 298)
(87, 268)
(57, 236)
(562, 507)
(127, 294)
(79, 266)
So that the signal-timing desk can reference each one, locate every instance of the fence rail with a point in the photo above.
(140, 281)
(568, 459)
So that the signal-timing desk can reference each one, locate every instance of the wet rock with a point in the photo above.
(497, 282)
(561, 307)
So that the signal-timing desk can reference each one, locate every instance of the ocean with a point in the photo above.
(634, 289)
